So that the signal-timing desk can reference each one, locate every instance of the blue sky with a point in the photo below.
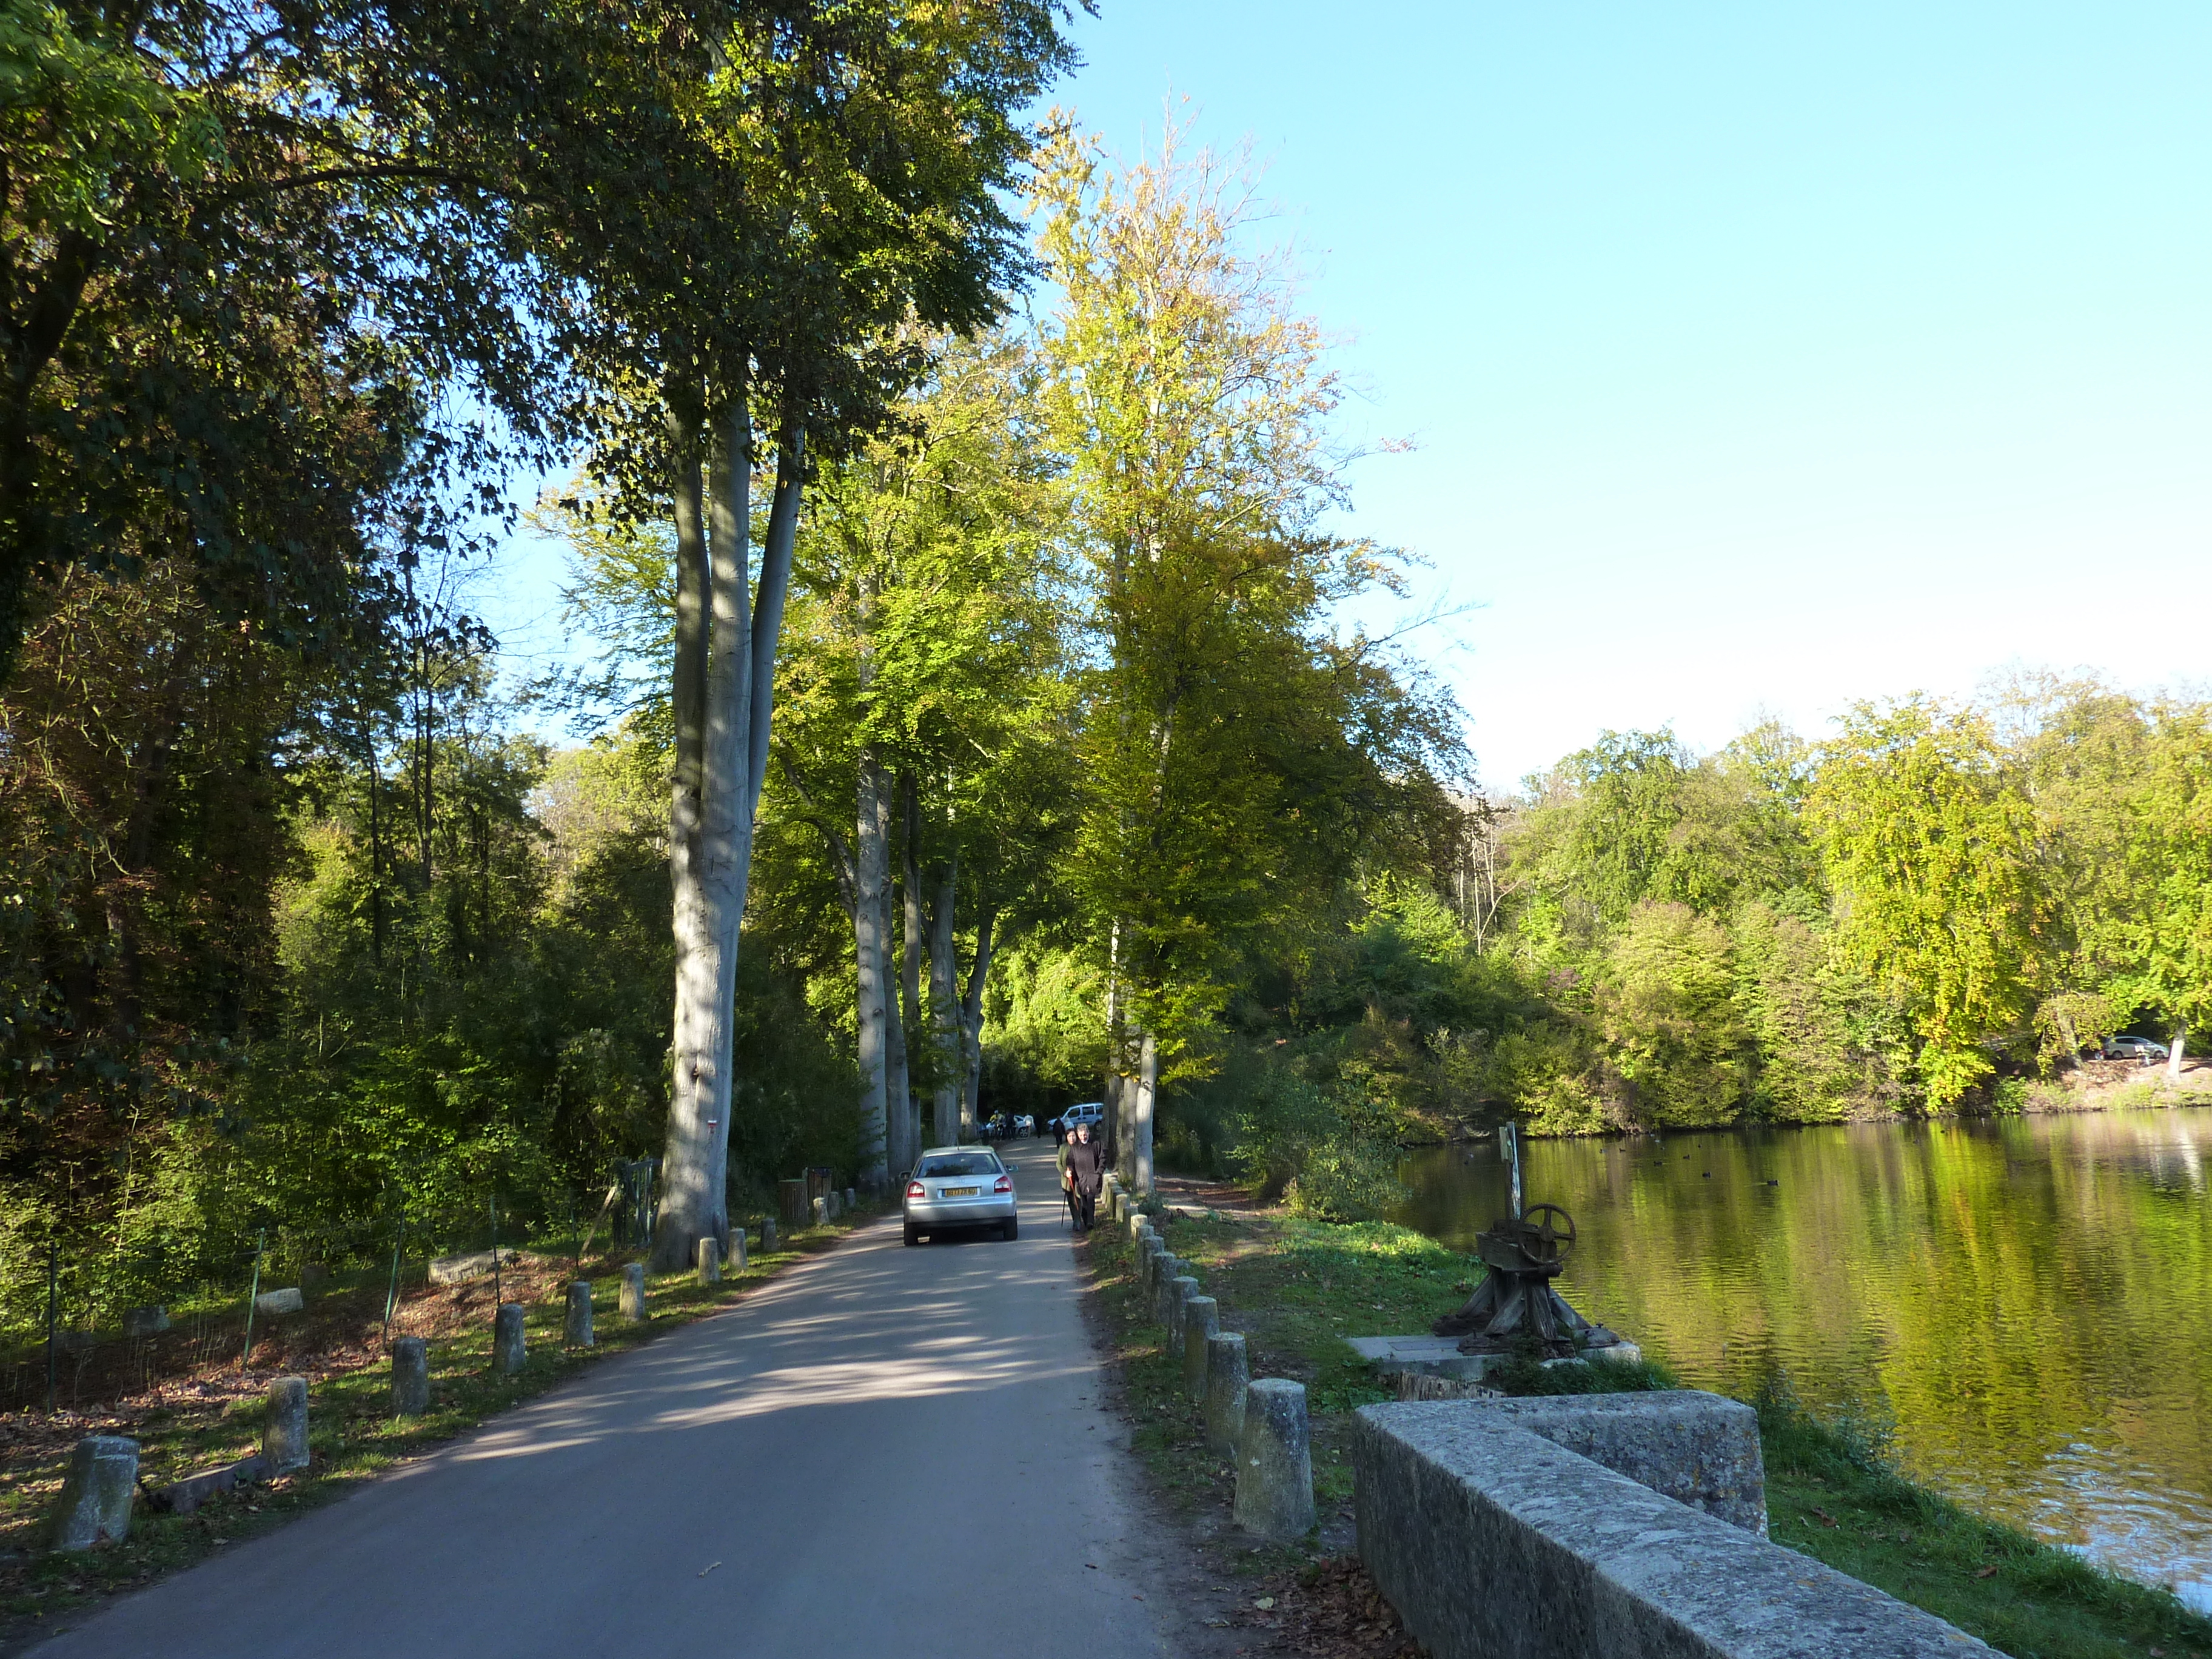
(1758, 358)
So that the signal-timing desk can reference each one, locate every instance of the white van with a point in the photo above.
(1092, 1112)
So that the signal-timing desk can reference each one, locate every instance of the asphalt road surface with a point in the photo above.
(886, 1451)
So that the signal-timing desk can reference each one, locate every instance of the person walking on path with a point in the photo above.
(1087, 1172)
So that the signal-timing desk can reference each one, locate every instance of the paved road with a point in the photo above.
(887, 1451)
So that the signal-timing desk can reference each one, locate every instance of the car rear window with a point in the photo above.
(961, 1163)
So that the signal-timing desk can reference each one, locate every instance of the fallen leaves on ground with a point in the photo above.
(1331, 1610)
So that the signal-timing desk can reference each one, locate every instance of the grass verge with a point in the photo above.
(1297, 1288)
(204, 1423)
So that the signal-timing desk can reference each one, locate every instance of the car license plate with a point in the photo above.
(959, 1192)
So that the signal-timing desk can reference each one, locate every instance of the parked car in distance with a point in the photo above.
(957, 1187)
(2145, 1050)
(1024, 1124)
(1092, 1112)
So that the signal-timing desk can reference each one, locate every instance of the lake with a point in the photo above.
(2025, 1303)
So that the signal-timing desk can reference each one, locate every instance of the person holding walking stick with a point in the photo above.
(1086, 1173)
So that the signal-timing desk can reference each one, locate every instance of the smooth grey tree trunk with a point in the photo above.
(898, 1072)
(1140, 1128)
(722, 699)
(971, 1015)
(2180, 1046)
(1113, 1097)
(870, 916)
(910, 939)
(944, 995)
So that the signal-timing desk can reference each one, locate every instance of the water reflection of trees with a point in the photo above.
(2000, 1292)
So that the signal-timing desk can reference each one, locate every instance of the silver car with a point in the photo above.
(959, 1187)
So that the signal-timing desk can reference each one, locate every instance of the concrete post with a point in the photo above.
(1170, 1269)
(768, 1236)
(852, 1200)
(633, 1290)
(1181, 1290)
(710, 1262)
(1161, 1269)
(1227, 1372)
(1201, 1318)
(411, 1376)
(95, 1505)
(576, 1327)
(736, 1250)
(822, 1211)
(1149, 1250)
(284, 1434)
(1274, 1461)
(508, 1348)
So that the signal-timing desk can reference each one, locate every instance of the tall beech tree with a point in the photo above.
(933, 634)
(1236, 749)
(217, 219)
(1929, 853)
(805, 181)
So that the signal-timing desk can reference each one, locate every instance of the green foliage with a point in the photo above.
(1797, 1012)
(1241, 755)
(1044, 1014)
(1667, 1009)
(1930, 852)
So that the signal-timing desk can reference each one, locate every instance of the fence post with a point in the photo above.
(53, 1305)
(392, 1295)
(260, 1243)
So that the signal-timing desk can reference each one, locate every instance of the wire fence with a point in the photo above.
(88, 1328)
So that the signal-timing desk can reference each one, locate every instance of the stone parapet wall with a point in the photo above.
(1493, 1541)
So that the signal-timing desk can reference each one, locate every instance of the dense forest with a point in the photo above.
(1041, 762)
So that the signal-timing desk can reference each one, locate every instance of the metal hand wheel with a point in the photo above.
(1547, 1241)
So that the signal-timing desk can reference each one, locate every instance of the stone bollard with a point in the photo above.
(1148, 1251)
(508, 1348)
(768, 1236)
(576, 1327)
(1170, 1268)
(822, 1211)
(1274, 1461)
(411, 1376)
(284, 1435)
(1180, 1293)
(736, 1250)
(95, 1505)
(1227, 1373)
(633, 1292)
(1201, 1320)
(710, 1262)
(851, 1201)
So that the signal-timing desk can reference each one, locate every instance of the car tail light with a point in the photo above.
(1003, 1184)
(914, 1190)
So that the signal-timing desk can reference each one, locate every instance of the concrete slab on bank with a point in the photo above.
(1439, 1356)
